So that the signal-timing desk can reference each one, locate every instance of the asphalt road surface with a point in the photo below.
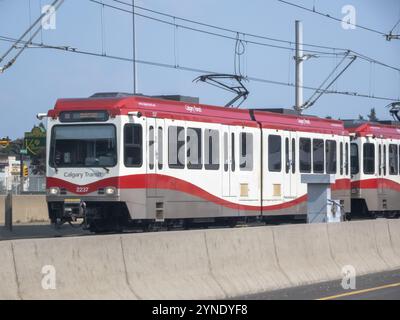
(377, 286)
(39, 230)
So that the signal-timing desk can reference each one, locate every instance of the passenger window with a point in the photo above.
(331, 157)
(341, 158)
(384, 160)
(293, 155)
(176, 147)
(346, 159)
(318, 152)
(233, 152)
(305, 155)
(133, 153)
(287, 160)
(226, 160)
(246, 151)
(274, 153)
(369, 158)
(393, 159)
(151, 147)
(354, 159)
(160, 148)
(380, 160)
(193, 141)
(211, 149)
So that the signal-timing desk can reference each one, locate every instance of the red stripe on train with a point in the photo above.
(157, 181)
(376, 183)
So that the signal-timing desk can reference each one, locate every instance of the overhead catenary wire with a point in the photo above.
(397, 23)
(191, 69)
(38, 23)
(326, 15)
(340, 51)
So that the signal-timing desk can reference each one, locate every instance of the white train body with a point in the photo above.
(139, 160)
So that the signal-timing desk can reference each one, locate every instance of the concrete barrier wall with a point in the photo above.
(29, 208)
(86, 267)
(196, 264)
(2, 208)
(8, 276)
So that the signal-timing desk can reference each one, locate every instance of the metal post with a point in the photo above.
(134, 46)
(8, 212)
(299, 65)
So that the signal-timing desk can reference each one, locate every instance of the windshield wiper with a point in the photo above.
(107, 170)
(55, 167)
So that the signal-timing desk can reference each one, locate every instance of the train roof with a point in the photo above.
(379, 130)
(181, 110)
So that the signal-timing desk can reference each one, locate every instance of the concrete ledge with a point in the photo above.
(86, 268)
(355, 244)
(29, 208)
(304, 253)
(8, 277)
(244, 261)
(169, 265)
(199, 264)
(2, 208)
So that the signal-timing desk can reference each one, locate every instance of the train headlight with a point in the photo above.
(54, 191)
(110, 191)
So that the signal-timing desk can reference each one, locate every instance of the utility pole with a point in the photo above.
(299, 66)
(134, 46)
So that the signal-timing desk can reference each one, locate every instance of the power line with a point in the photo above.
(233, 37)
(342, 51)
(326, 15)
(397, 23)
(189, 69)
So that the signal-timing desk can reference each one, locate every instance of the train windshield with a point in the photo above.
(83, 146)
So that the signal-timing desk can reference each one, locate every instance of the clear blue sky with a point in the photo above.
(40, 76)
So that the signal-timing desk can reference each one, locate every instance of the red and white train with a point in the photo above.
(121, 161)
(375, 152)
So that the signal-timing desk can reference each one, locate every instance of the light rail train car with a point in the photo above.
(375, 152)
(135, 161)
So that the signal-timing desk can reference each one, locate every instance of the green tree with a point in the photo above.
(372, 116)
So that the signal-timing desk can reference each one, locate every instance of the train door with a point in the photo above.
(290, 183)
(155, 153)
(382, 166)
(229, 161)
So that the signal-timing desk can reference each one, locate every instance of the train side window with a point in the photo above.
(380, 159)
(393, 160)
(226, 160)
(151, 147)
(233, 152)
(384, 160)
(193, 145)
(287, 160)
(354, 159)
(160, 148)
(246, 151)
(331, 156)
(211, 149)
(274, 153)
(176, 147)
(305, 155)
(369, 158)
(341, 158)
(346, 159)
(318, 156)
(133, 145)
(293, 155)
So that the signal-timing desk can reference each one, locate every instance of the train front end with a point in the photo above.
(83, 169)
